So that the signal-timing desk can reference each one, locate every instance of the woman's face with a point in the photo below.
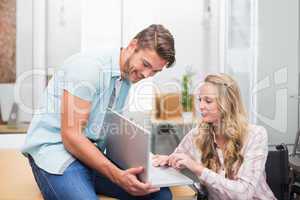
(208, 103)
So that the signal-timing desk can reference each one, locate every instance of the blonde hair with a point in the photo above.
(233, 127)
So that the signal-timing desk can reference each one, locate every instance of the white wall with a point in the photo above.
(47, 33)
(101, 24)
(24, 61)
(63, 30)
(42, 40)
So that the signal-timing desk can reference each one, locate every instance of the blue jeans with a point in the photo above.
(79, 182)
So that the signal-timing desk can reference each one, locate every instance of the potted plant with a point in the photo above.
(186, 96)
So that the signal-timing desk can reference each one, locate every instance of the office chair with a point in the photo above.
(165, 132)
(277, 172)
(294, 161)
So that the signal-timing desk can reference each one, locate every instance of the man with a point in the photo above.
(65, 145)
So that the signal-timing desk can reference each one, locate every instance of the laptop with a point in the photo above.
(128, 145)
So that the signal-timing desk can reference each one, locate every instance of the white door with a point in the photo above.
(277, 68)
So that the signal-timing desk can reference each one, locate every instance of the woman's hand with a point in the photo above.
(160, 160)
(180, 161)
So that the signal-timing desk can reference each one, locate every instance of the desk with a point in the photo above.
(176, 128)
(17, 181)
(21, 128)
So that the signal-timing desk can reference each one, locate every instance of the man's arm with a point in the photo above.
(74, 116)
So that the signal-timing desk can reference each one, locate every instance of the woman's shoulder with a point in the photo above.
(256, 134)
(194, 132)
(254, 129)
(190, 136)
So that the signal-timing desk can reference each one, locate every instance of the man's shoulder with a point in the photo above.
(101, 58)
(94, 53)
(100, 52)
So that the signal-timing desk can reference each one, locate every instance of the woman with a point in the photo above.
(225, 152)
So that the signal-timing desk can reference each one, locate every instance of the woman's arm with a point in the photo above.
(186, 146)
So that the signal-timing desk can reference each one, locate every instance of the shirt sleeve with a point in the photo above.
(187, 145)
(81, 77)
(249, 174)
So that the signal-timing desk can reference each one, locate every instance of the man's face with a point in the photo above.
(142, 64)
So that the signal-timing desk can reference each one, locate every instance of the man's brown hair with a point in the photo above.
(158, 38)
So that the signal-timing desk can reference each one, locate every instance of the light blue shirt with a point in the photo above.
(90, 76)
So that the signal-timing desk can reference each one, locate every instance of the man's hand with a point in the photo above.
(160, 160)
(129, 182)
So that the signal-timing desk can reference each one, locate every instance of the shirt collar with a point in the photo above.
(115, 67)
